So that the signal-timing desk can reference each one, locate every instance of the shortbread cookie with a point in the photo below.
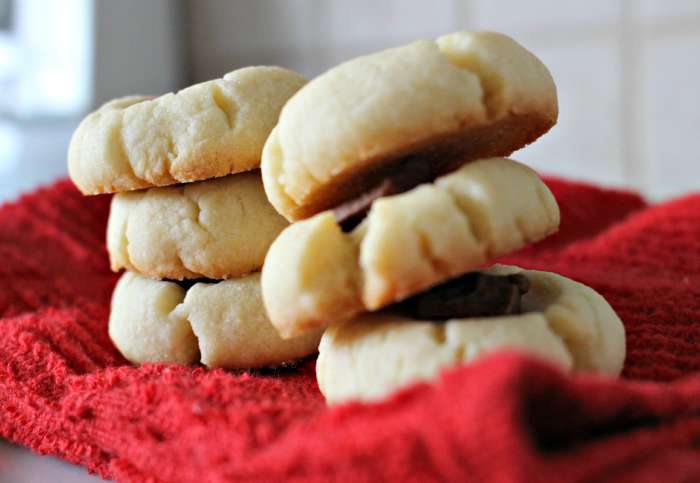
(220, 324)
(216, 229)
(315, 274)
(207, 130)
(463, 97)
(562, 321)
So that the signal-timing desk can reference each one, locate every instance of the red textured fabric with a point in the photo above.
(65, 391)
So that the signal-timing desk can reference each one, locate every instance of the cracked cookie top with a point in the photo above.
(315, 274)
(221, 324)
(214, 229)
(463, 97)
(204, 131)
(562, 321)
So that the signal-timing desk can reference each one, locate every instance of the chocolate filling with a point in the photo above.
(408, 174)
(471, 295)
(187, 283)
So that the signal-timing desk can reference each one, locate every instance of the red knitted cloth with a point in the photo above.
(65, 391)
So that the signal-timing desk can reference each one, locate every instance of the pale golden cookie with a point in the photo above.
(216, 229)
(463, 97)
(220, 324)
(563, 321)
(315, 274)
(204, 131)
(142, 324)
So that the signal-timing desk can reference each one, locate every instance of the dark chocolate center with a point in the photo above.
(188, 282)
(408, 174)
(471, 295)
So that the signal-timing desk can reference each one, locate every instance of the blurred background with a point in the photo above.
(627, 71)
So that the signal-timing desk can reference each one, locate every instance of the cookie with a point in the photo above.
(562, 321)
(219, 324)
(316, 274)
(204, 131)
(215, 229)
(463, 97)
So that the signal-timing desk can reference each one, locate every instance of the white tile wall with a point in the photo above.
(586, 143)
(654, 12)
(671, 113)
(227, 34)
(626, 70)
(384, 24)
(388, 21)
(537, 17)
(137, 48)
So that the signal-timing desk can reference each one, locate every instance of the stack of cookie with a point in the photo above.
(190, 221)
(390, 167)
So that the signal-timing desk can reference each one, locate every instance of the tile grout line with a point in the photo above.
(634, 159)
(461, 9)
(587, 32)
(318, 15)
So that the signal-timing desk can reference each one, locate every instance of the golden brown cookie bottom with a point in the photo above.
(443, 154)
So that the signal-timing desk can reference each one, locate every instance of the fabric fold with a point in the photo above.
(65, 390)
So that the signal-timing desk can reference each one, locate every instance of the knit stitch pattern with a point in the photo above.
(66, 391)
